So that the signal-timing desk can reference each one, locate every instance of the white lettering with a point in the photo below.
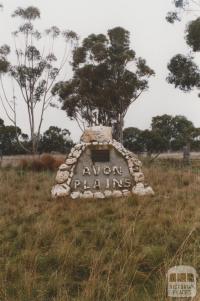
(85, 186)
(107, 170)
(117, 170)
(77, 183)
(96, 170)
(127, 183)
(97, 184)
(117, 183)
(107, 184)
(86, 171)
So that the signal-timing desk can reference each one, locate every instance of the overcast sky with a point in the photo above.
(151, 37)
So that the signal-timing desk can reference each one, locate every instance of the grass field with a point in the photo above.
(96, 250)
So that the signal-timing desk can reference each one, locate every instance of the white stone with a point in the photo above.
(72, 168)
(137, 162)
(133, 162)
(97, 133)
(64, 167)
(60, 190)
(77, 153)
(69, 181)
(62, 176)
(149, 191)
(108, 193)
(117, 194)
(99, 195)
(71, 161)
(139, 189)
(71, 174)
(87, 195)
(139, 185)
(78, 146)
(131, 171)
(134, 169)
(75, 195)
(72, 150)
(130, 163)
(139, 177)
(126, 193)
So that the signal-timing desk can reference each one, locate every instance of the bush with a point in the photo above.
(23, 164)
(48, 161)
(45, 162)
(37, 165)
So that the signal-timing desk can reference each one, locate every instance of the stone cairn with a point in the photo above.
(94, 137)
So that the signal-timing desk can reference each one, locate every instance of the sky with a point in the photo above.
(151, 37)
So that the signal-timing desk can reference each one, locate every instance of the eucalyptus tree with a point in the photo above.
(33, 68)
(55, 139)
(107, 79)
(180, 6)
(167, 133)
(184, 72)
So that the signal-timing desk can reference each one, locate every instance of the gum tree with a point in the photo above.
(33, 71)
(181, 6)
(184, 72)
(107, 79)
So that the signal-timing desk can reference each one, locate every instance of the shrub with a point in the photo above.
(37, 165)
(48, 161)
(45, 162)
(23, 164)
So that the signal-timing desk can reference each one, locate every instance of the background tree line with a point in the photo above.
(52, 140)
(167, 133)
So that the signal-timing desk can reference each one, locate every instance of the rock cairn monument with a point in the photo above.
(100, 167)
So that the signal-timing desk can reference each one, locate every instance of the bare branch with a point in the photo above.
(6, 111)
(5, 96)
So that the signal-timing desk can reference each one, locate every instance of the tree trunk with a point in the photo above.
(34, 143)
(118, 129)
(186, 153)
(121, 129)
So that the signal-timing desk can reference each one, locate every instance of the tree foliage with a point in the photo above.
(9, 141)
(107, 79)
(30, 13)
(34, 71)
(184, 71)
(53, 139)
(181, 6)
(132, 139)
(167, 133)
(193, 35)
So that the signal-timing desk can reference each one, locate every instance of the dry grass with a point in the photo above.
(95, 250)
(25, 160)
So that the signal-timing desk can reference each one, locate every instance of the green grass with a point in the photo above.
(96, 250)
